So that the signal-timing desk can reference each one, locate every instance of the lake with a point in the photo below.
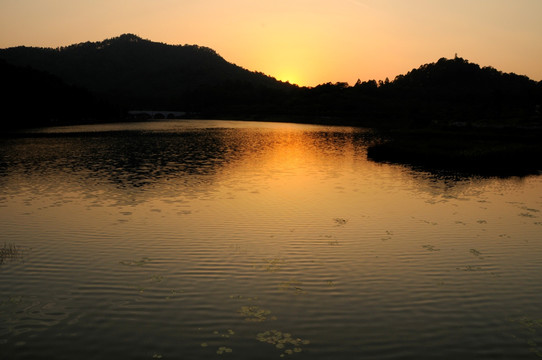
(241, 240)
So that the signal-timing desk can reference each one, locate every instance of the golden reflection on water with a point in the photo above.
(247, 179)
(283, 220)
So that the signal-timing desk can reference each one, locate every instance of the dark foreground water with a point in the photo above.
(210, 240)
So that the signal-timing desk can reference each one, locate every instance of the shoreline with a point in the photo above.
(482, 151)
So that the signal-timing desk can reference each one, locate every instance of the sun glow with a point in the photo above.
(307, 42)
(289, 76)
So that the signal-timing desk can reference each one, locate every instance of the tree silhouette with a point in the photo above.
(133, 73)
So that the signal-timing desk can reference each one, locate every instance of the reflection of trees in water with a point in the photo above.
(119, 157)
(128, 164)
(453, 185)
(134, 162)
(10, 252)
(185, 162)
(136, 159)
(124, 165)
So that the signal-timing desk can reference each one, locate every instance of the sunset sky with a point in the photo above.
(307, 42)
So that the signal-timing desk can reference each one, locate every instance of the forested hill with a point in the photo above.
(449, 91)
(459, 90)
(35, 98)
(143, 73)
(129, 73)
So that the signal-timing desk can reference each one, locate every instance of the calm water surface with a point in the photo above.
(236, 240)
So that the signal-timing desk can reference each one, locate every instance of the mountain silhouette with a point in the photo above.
(449, 91)
(140, 73)
(32, 97)
(459, 90)
(130, 73)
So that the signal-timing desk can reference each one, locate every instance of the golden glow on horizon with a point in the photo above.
(308, 42)
(289, 76)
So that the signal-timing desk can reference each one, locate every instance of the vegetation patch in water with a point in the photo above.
(476, 253)
(256, 314)
(140, 262)
(223, 337)
(10, 252)
(430, 248)
(470, 268)
(227, 334)
(283, 341)
(157, 278)
(529, 209)
(270, 264)
(292, 286)
(223, 349)
(531, 329)
(340, 221)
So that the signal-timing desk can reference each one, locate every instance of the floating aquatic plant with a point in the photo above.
(430, 248)
(476, 253)
(12, 300)
(140, 262)
(226, 334)
(255, 313)
(16, 299)
(340, 221)
(529, 209)
(223, 349)
(10, 252)
(388, 236)
(531, 328)
(293, 286)
(429, 222)
(173, 292)
(157, 278)
(270, 264)
(240, 297)
(470, 268)
(283, 341)
(532, 325)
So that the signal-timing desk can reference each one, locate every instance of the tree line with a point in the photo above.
(102, 81)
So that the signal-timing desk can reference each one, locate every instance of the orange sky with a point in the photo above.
(308, 42)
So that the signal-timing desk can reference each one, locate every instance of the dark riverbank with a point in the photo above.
(504, 151)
